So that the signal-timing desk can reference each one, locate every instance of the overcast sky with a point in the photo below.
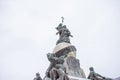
(27, 34)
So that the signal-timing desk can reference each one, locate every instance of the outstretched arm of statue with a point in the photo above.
(100, 76)
(57, 33)
(71, 35)
(68, 32)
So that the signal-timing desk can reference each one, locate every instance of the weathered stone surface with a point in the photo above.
(65, 49)
(71, 78)
(73, 54)
(73, 67)
(71, 64)
(61, 46)
(77, 78)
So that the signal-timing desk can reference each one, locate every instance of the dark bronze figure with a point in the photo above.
(37, 77)
(56, 69)
(52, 58)
(58, 73)
(95, 76)
(53, 61)
(63, 32)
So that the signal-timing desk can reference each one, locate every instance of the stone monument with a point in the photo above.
(63, 62)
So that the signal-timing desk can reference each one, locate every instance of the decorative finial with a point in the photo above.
(62, 19)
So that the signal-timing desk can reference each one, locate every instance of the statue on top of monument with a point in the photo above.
(63, 32)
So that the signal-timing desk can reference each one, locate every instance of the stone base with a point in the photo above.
(77, 78)
(70, 77)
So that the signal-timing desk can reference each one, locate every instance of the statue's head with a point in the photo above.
(37, 74)
(91, 69)
(64, 26)
(49, 55)
(59, 26)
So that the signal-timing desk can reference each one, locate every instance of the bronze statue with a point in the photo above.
(37, 77)
(63, 32)
(53, 61)
(52, 58)
(95, 76)
(58, 73)
(56, 69)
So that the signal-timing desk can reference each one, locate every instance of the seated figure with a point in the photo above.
(56, 70)
(95, 76)
(37, 77)
(58, 73)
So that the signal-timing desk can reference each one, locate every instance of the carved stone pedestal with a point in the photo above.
(77, 78)
(71, 78)
(71, 63)
(63, 62)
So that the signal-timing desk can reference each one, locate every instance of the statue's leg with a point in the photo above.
(53, 74)
(66, 77)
